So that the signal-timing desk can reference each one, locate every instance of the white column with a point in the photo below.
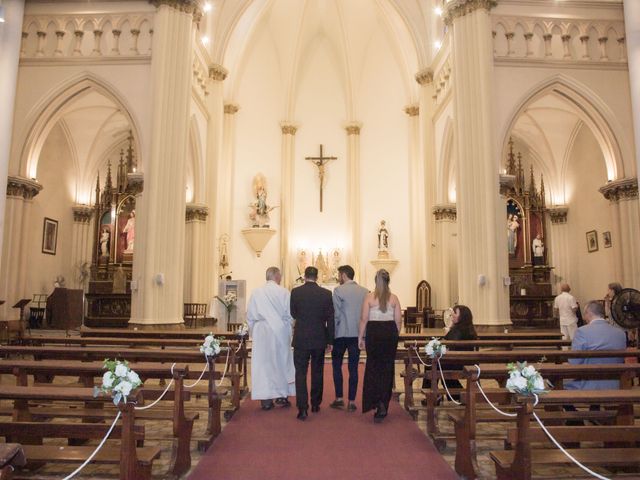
(195, 235)
(10, 44)
(157, 296)
(417, 205)
(482, 245)
(286, 199)
(632, 30)
(558, 238)
(445, 256)
(353, 180)
(19, 197)
(625, 213)
(80, 238)
(428, 266)
(218, 172)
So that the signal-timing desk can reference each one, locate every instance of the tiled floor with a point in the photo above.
(159, 433)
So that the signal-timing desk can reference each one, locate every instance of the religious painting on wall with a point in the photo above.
(49, 236)
(104, 236)
(592, 241)
(514, 229)
(606, 239)
(126, 225)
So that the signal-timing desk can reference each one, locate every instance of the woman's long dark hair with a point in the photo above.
(465, 322)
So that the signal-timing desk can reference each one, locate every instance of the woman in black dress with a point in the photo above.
(379, 328)
(461, 329)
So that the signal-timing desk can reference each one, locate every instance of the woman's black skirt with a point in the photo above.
(381, 344)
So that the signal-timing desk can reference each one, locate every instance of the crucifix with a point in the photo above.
(320, 162)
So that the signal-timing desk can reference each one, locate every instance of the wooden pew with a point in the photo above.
(465, 421)
(146, 338)
(459, 359)
(412, 364)
(87, 371)
(428, 333)
(149, 355)
(517, 464)
(135, 462)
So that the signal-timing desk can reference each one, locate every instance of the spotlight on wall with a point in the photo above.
(205, 40)
(437, 44)
(207, 7)
(1, 14)
(438, 11)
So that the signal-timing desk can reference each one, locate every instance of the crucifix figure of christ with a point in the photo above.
(321, 162)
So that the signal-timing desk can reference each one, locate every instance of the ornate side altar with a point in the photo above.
(530, 295)
(109, 296)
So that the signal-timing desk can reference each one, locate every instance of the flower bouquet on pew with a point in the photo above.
(525, 379)
(118, 381)
(211, 346)
(435, 348)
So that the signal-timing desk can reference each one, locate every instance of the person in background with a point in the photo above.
(613, 289)
(272, 374)
(312, 309)
(379, 331)
(347, 305)
(565, 308)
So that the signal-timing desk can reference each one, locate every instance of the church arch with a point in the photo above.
(50, 110)
(593, 112)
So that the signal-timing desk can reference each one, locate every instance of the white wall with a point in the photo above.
(588, 210)
(55, 202)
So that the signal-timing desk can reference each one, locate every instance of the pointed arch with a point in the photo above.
(589, 107)
(48, 111)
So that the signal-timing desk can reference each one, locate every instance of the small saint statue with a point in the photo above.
(512, 233)
(383, 240)
(105, 238)
(259, 214)
(129, 231)
(538, 250)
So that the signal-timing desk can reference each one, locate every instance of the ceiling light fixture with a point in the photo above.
(207, 7)
(438, 11)
(1, 14)
(205, 40)
(437, 44)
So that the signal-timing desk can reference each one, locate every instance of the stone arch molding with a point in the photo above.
(589, 107)
(48, 111)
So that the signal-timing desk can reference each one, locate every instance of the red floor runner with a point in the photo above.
(331, 444)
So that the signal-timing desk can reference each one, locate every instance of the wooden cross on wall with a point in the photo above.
(320, 162)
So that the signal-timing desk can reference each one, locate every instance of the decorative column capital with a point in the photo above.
(424, 76)
(186, 6)
(135, 180)
(446, 211)
(231, 108)
(412, 110)
(217, 72)
(558, 214)
(353, 128)
(196, 212)
(82, 213)
(624, 189)
(459, 8)
(22, 187)
(288, 128)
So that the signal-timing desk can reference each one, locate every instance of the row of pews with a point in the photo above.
(49, 407)
(611, 440)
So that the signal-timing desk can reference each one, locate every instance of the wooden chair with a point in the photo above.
(194, 312)
(413, 328)
(233, 327)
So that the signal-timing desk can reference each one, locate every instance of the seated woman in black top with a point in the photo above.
(461, 329)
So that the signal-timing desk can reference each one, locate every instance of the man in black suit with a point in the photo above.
(312, 309)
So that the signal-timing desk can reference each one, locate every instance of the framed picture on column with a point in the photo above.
(49, 236)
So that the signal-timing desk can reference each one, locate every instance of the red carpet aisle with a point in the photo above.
(332, 444)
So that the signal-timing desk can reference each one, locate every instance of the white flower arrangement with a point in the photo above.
(229, 300)
(435, 348)
(243, 331)
(524, 379)
(211, 346)
(119, 380)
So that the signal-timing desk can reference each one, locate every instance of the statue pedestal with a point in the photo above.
(257, 238)
(388, 264)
